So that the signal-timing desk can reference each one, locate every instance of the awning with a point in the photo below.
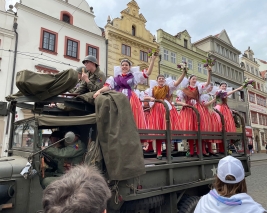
(49, 120)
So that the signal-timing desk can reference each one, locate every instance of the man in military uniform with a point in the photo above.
(94, 79)
(80, 70)
(70, 155)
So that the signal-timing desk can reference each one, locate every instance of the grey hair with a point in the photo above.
(82, 189)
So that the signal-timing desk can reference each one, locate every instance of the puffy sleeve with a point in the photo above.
(180, 96)
(110, 82)
(204, 98)
(229, 89)
(201, 87)
(214, 90)
(170, 83)
(183, 84)
(140, 77)
(138, 93)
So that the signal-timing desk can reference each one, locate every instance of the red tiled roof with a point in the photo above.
(217, 35)
(262, 61)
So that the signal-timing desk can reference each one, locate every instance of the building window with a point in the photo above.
(241, 96)
(133, 30)
(184, 59)
(252, 70)
(219, 68)
(254, 117)
(199, 67)
(92, 50)
(252, 97)
(72, 49)
(174, 77)
(48, 41)
(256, 72)
(126, 50)
(66, 17)
(205, 70)
(166, 55)
(218, 48)
(173, 58)
(143, 56)
(226, 53)
(190, 64)
(236, 75)
(223, 51)
(185, 43)
(248, 68)
(166, 75)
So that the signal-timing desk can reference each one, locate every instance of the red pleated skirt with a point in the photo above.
(157, 119)
(228, 117)
(138, 112)
(188, 119)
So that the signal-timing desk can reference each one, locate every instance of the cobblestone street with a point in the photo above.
(257, 183)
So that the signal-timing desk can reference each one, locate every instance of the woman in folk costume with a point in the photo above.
(124, 80)
(189, 95)
(207, 100)
(162, 89)
(221, 98)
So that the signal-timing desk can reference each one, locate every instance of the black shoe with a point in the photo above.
(213, 154)
(206, 155)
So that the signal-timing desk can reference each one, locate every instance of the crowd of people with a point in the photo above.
(190, 93)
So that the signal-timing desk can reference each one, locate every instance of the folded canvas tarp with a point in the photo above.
(44, 86)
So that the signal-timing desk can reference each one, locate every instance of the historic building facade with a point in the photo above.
(177, 49)
(7, 41)
(128, 37)
(54, 36)
(257, 100)
(227, 68)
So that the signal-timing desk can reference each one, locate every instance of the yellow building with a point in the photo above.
(128, 37)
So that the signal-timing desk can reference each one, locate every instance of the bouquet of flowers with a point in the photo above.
(248, 82)
(209, 62)
(152, 52)
(221, 94)
(183, 67)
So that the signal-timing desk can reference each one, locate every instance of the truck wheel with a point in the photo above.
(142, 204)
(188, 204)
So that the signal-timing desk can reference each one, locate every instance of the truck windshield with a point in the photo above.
(24, 136)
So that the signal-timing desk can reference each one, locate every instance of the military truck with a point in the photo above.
(173, 184)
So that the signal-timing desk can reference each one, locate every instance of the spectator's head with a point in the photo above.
(230, 178)
(81, 190)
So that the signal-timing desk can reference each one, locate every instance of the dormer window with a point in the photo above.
(185, 43)
(66, 18)
(133, 30)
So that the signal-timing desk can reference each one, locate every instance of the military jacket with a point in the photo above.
(96, 82)
(76, 87)
(71, 154)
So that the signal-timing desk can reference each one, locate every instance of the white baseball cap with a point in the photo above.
(230, 166)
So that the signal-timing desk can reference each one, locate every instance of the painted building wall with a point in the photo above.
(227, 68)
(7, 42)
(173, 51)
(37, 17)
(257, 100)
(129, 30)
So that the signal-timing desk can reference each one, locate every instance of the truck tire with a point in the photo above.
(142, 204)
(188, 204)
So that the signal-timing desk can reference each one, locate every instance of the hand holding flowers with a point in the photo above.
(248, 82)
(183, 67)
(209, 63)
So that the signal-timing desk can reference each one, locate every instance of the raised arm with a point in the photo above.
(151, 65)
(210, 102)
(179, 80)
(233, 91)
(209, 77)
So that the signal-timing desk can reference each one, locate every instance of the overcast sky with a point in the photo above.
(245, 21)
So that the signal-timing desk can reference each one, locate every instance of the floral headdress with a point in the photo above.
(126, 60)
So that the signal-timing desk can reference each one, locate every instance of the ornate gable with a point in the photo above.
(224, 36)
